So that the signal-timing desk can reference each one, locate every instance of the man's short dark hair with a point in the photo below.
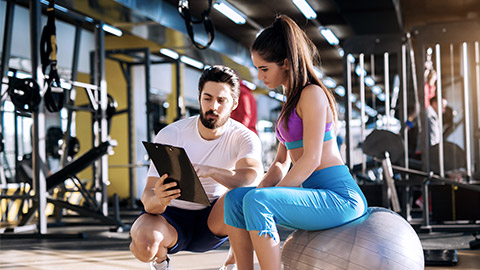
(221, 74)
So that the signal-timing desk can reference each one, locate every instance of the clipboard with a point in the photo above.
(174, 161)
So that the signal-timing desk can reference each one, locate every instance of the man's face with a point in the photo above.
(216, 104)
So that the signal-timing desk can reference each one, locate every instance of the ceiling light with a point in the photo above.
(192, 62)
(329, 36)
(318, 72)
(329, 82)
(341, 52)
(230, 11)
(277, 96)
(353, 98)
(351, 58)
(169, 53)
(370, 111)
(249, 85)
(88, 19)
(358, 71)
(112, 30)
(18, 74)
(377, 90)
(305, 8)
(340, 90)
(369, 81)
(47, 3)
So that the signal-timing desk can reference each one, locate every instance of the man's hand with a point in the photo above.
(245, 173)
(203, 171)
(162, 194)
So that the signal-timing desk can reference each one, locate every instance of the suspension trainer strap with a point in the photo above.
(48, 54)
(184, 11)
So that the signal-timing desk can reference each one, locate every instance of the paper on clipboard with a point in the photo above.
(174, 161)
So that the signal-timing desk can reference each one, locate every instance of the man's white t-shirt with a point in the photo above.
(235, 143)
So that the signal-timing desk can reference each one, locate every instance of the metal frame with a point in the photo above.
(126, 66)
(432, 35)
(378, 45)
(448, 34)
(38, 129)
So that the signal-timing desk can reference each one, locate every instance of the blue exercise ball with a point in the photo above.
(380, 239)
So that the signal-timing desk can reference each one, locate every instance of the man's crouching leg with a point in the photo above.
(151, 236)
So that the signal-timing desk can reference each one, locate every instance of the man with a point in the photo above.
(225, 155)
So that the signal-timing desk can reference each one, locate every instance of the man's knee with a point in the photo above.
(145, 249)
(151, 237)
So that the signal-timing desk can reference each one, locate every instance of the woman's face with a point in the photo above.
(270, 73)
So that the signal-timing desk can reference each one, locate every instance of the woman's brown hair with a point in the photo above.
(284, 39)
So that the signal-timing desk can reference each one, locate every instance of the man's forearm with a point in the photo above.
(234, 178)
(151, 203)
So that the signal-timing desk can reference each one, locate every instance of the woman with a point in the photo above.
(317, 192)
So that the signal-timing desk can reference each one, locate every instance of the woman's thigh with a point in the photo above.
(301, 208)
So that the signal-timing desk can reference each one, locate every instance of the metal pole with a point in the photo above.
(372, 70)
(362, 109)
(387, 89)
(405, 105)
(71, 95)
(38, 127)
(147, 88)
(6, 48)
(7, 38)
(348, 112)
(101, 125)
(426, 205)
(466, 96)
(477, 80)
(406, 189)
(439, 109)
(103, 122)
(131, 129)
(179, 89)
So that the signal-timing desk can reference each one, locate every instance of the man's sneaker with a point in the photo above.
(163, 265)
(229, 267)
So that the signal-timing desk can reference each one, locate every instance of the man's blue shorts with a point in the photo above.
(192, 229)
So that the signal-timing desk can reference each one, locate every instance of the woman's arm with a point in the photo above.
(313, 108)
(278, 168)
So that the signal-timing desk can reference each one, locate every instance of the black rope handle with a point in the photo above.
(184, 11)
(48, 54)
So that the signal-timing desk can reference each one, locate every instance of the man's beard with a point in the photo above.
(213, 123)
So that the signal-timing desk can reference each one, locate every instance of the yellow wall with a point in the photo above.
(83, 121)
(116, 87)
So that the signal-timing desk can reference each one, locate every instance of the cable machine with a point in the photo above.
(36, 198)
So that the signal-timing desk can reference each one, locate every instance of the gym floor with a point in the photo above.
(82, 244)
